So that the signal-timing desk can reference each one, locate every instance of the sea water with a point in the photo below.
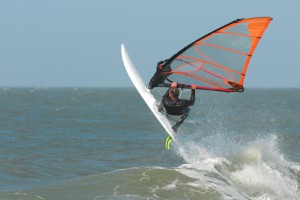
(104, 143)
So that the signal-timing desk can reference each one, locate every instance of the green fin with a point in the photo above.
(168, 141)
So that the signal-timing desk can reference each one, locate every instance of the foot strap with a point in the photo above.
(168, 142)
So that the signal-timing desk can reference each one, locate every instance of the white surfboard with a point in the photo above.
(145, 92)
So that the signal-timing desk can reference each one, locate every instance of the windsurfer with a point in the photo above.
(177, 109)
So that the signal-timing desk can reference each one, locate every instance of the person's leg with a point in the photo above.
(160, 107)
(183, 117)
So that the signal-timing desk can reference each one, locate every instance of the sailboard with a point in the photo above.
(217, 61)
(146, 94)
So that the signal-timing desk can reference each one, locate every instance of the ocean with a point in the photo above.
(104, 143)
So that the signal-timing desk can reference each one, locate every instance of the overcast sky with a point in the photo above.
(77, 43)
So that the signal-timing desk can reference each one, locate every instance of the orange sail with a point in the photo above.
(219, 60)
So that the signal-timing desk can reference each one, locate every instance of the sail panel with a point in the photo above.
(219, 60)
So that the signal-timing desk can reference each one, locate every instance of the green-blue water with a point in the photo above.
(103, 143)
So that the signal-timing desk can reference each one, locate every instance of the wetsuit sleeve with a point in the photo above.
(192, 99)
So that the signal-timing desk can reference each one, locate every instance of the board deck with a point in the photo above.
(145, 92)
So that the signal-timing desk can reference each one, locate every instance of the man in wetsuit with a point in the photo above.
(175, 107)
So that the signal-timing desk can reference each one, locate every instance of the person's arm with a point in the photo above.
(192, 99)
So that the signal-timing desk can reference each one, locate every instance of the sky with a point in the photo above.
(77, 43)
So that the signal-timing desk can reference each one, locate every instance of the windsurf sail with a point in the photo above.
(217, 61)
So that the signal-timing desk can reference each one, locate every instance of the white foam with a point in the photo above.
(253, 155)
(257, 169)
(261, 178)
(264, 171)
(171, 186)
(192, 152)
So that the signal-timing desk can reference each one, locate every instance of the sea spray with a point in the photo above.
(254, 169)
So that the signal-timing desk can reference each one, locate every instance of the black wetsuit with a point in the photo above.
(179, 106)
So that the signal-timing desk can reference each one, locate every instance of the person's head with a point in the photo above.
(173, 93)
